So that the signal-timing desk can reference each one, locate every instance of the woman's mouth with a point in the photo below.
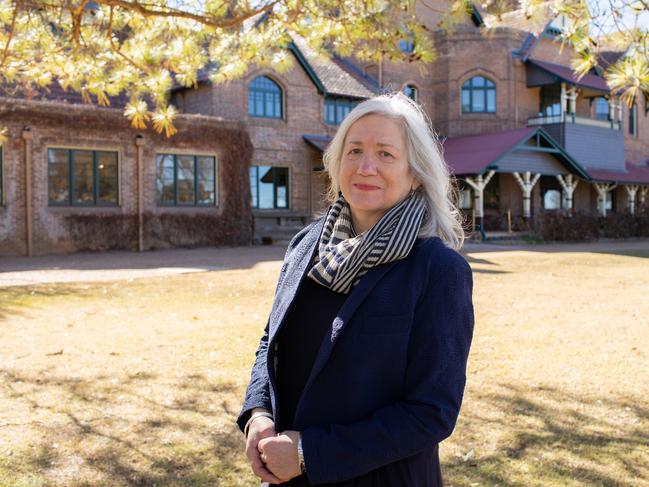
(366, 187)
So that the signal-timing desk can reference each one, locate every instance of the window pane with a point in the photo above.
(107, 176)
(552, 199)
(165, 178)
(264, 98)
(478, 101)
(254, 171)
(466, 101)
(185, 182)
(83, 177)
(477, 81)
(266, 179)
(601, 108)
(491, 100)
(465, 199)
(205, 181)
(281, 178)
(58, 175)
(411, 92)
(609, 200)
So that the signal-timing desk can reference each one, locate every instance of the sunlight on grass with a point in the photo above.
(139, 382)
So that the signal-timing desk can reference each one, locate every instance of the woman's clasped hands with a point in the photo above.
(273, 456)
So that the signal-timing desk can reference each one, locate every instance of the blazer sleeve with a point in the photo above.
(434, 385)
(258, 391)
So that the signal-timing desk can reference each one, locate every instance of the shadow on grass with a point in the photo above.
(550, 437)
(96, 432)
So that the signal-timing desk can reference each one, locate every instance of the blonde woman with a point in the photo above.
(361, 369)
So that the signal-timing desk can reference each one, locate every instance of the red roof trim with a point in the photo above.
(567, 74)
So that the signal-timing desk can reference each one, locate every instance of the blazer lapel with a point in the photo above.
(294, 272)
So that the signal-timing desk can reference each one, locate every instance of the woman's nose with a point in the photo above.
(367, 165)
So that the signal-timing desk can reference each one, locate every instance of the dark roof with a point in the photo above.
(320, 142)
(634, 174)
(55, 92)
(473, 154)
(607, 58)
(566, 73)
(329, 76)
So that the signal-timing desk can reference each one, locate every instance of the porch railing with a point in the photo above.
(572, 118)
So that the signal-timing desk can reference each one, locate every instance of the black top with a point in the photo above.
(298, 341)
(306, 324)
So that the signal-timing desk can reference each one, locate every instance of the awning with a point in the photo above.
(555, 73)
(474, 154)
(320, 142)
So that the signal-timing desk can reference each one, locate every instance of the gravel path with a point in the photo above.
(122, 265)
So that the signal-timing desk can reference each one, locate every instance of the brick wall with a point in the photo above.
(53, 124)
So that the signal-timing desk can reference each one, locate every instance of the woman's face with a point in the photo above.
(374, 170)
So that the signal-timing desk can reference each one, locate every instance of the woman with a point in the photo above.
(361, 369)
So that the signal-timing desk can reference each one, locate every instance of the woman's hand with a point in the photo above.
(261, 428)
(279, 453)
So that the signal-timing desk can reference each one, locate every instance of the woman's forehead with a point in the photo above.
(377, 129)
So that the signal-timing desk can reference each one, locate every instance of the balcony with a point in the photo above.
(572, 118)
(593, 143)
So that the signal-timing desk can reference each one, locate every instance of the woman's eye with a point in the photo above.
(354, 151)
(386, 154)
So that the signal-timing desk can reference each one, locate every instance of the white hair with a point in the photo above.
(443, 218)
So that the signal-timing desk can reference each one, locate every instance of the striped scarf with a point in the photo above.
(344, 257)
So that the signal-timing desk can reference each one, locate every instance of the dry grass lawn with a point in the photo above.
(138, 383)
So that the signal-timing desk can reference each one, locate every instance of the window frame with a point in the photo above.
(196, 203)
(266, 92)
(71, 179)
(633, 120)
(415, 90)
(550, 183)
(467, 86)
(257, 179)
(338, 101)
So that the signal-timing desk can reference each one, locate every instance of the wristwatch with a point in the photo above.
(300, 454)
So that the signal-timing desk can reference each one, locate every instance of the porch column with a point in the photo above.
(527, 184)
(478, 186)
(642, 195)
(572, 98)
(631, 190)
(619, 109)
(602, 189)
(568, 184)
(564, 101)
(611, 110)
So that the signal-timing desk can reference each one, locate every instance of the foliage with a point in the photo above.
(618, 225)
(593, 28)
(106, 47)
(101, 48)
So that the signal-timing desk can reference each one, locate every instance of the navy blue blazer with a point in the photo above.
(388, 380)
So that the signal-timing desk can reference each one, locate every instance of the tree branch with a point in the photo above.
(11, 34)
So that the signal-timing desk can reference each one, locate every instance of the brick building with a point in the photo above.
(522, 135)
(78, 177)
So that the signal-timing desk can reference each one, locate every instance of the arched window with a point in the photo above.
(479, 95)
(411, 92)
(264, 98)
